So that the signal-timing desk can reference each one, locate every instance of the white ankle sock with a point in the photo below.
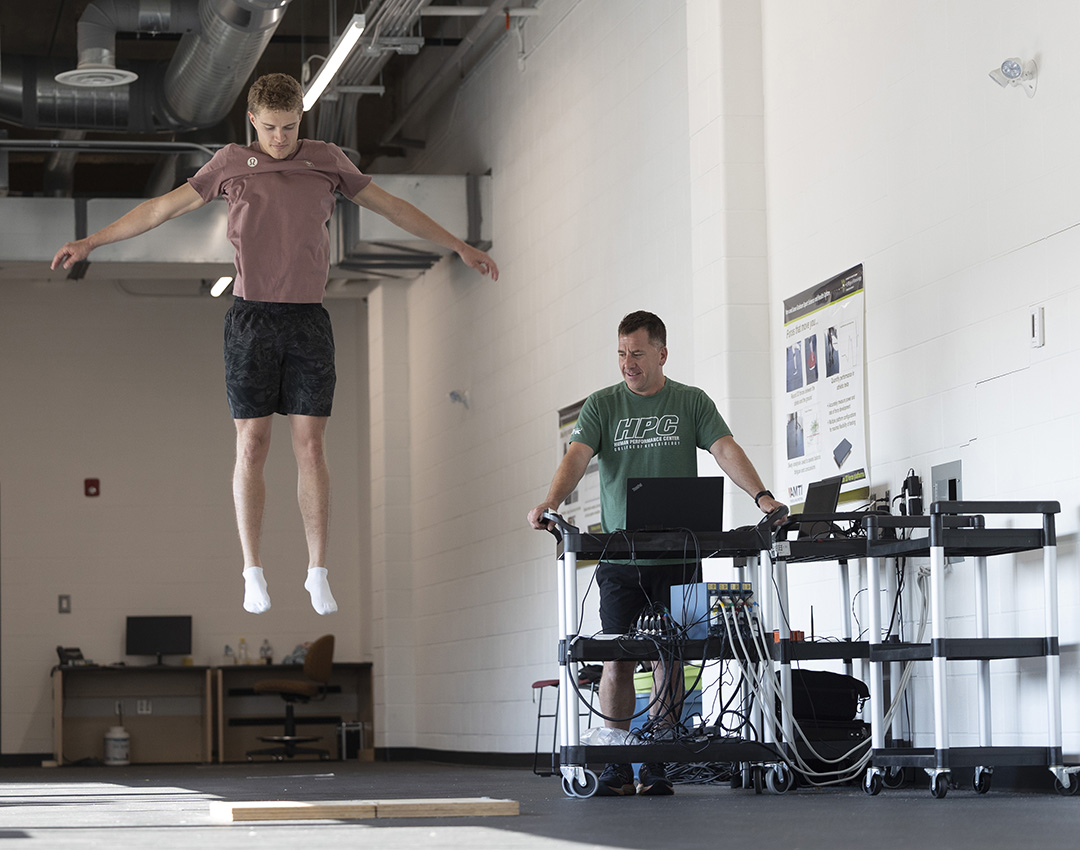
(322, 600)
(256, 599)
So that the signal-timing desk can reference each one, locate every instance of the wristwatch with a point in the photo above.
(757, 498)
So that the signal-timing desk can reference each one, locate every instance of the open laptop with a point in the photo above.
(822, 497)
(656, 504)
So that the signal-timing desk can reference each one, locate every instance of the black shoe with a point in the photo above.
(652, 779)
(617, 780)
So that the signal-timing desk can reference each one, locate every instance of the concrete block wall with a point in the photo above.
(631, 171)
(586, 137)
(888, 144)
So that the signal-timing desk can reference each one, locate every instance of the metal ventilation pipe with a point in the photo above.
(219, 50)
(211, 67)
(97, 30)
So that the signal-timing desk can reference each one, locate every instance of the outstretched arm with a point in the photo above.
(573, 466)
(737, 466)
(146, 216)
(409, 218)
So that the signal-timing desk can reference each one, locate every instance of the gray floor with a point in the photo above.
(167, 807)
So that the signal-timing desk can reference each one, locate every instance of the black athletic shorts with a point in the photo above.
(279, 358)
(626, 590)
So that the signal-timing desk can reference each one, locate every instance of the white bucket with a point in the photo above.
(117, 746)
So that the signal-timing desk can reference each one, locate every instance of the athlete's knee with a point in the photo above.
(252, 444)
(309, 446)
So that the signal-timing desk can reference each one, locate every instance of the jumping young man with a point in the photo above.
(279, 346)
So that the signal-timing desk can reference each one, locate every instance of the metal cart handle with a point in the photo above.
(769, 525)
(562, 527)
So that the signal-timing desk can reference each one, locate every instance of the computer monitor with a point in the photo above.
(821, 498)
(158, 636)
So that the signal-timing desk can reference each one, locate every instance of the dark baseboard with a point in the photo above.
(403, 754)
(24, 759)
(1025, 778)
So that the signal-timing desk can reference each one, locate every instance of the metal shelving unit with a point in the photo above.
(577, 779)
(958, 529)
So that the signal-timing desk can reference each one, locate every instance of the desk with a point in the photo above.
(176, 729)
(197, 714)
(243, 715)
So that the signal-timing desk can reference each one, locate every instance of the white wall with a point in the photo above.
(642, 160)
(588, 138)
(630, 171)
(101, 384)
(888, 144)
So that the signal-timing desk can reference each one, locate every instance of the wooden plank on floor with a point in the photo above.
(447, 807)
(437, 807)
(224, 812)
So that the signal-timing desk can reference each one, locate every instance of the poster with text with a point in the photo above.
(825, 421)
(582, 507)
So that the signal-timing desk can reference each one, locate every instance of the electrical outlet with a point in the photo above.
(144, 706)
(63, 604)
(945, 482)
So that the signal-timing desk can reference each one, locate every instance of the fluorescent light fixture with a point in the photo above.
(334, 61)
(220, 285)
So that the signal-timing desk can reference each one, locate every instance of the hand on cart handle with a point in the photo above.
(555, 523)
(774, 517)
(769, 523)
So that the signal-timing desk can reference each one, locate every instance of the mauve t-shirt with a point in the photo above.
(278, 210)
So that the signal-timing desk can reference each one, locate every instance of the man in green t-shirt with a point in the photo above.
(643, 427)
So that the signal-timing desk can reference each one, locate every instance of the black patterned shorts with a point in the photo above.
(279, 358)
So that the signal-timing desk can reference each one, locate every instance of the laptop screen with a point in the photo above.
(821, 498)
(655, 504)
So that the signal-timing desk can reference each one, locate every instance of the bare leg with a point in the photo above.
(617, 696)
(249, 495)
(313, 495)
(669, 685)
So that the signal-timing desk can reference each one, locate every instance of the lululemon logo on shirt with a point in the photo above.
(253, 162)
(645, 431)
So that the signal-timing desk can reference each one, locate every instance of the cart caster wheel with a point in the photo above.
(939, 786)
(758, 778)
(873, 783)
(981, 780)
(894, 777)
(736, 779)
(1073, 787)
(779, 779)
(573, 788)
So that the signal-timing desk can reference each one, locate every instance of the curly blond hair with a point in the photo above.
(276, 92)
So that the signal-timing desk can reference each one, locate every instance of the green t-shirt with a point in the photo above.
(637, 436)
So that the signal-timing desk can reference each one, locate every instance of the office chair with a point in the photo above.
(318, 664)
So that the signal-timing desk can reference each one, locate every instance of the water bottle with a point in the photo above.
(241, 652)
(117, 746)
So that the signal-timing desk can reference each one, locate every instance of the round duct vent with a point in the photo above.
(96, 76)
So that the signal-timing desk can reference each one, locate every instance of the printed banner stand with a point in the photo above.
(825, 415)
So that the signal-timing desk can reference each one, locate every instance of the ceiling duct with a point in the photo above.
(210, 68)
(222, 42)
(97, 30)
